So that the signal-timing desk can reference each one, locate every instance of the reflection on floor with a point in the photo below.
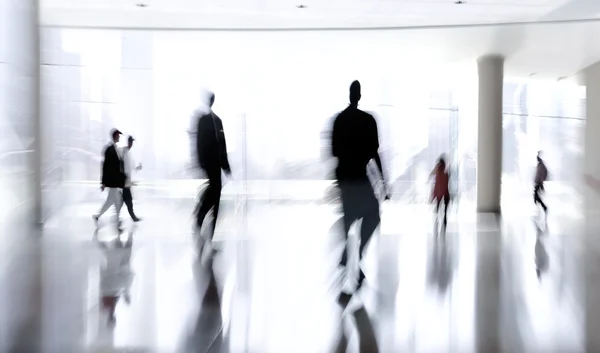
(485, 285)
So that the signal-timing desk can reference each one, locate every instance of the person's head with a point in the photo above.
(539, 156)
(442, 162)
(211, 99)
(355, 93)
(130, 141)
(115, 134)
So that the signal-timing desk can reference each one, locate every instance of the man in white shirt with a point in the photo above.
(128, 168)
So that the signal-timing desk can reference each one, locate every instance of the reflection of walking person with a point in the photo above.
(128, 167)
(212, 158)
(113, 176)
(355, 141)
(441, 191)
(541, 175)
(116, 275)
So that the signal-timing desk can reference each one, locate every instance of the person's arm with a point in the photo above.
(200, 141)
(379, 165)
(126, 163)
(335, 139)
(375, 148)
(224, 157)
(433, 171)
(103, 175)
(377, 158)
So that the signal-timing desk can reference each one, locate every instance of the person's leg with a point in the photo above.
(218, 187)
(446, 203)
(537, 199)
(110, 200)
(348, 217)
(128, 200)
(118, 205)
(204, 206)
(118, 200)
(207, 200)
(370, 222)
(542, 203)
(536, 194)
(348, 220)
(347, 193)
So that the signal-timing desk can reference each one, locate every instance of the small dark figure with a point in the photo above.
(541, 175)
(441, 190)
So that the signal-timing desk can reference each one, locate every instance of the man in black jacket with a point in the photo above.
(355, 142)
(113, 176)
(212, 158)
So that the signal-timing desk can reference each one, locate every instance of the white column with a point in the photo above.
(37, 119)
(489, 142)
(591, 164)
(19, 118)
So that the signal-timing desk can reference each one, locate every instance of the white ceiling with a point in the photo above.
(271, 14)
(426, 30)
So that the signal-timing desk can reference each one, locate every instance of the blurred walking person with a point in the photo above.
(441, 190)
(128, 167)
(113, 177)
(355, 142)
(212, 158)
(541, 175)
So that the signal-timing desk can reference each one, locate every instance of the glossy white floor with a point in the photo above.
(486, 285)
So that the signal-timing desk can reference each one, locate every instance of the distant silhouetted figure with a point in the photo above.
(113, 176)
(441, 191)
(541, 175)
(212, 158)
(355, 141)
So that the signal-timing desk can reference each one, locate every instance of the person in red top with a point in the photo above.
(440, 188)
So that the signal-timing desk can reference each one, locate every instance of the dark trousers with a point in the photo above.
(210, 199)
(446, 200)
(359, 202)
(128, 200)
(536, 196)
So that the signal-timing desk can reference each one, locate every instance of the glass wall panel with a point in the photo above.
(277, 93)
(547, 117)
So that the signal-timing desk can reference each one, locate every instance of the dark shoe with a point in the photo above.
(361, 279)
(344, 299)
